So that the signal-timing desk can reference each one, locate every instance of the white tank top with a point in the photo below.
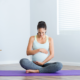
(40, 56)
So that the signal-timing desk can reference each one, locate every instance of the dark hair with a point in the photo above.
(41, 24)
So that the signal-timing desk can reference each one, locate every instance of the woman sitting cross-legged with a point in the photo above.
(41, 44)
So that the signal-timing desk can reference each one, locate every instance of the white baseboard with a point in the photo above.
(9, 62)
(63, 62)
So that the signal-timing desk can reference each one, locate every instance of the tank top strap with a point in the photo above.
(35, 37)
(47, 37)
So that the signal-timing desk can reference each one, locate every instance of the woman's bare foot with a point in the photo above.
(32, 71)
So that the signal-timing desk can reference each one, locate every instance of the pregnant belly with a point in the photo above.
(39, 56)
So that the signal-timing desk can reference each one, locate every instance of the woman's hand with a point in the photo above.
(43, 50)
(38, 63)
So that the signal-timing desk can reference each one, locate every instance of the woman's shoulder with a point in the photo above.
(50, 38)
(32, 37)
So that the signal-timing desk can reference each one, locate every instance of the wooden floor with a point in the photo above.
(18, 67)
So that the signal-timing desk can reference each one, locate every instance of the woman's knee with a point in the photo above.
(59, 65)
(22, 61)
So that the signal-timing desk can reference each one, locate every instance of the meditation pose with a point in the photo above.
(42, 53)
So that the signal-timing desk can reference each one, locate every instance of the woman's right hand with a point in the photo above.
(43, 50)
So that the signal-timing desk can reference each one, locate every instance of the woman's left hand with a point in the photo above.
(38, 63)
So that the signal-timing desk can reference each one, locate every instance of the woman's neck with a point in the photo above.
(43, 37)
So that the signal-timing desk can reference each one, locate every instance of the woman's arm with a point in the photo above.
(32, 52)
(51, 49)
(29, 50)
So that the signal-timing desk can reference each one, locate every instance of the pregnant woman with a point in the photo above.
(41, 44)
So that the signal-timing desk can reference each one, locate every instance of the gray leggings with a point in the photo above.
(46, 68)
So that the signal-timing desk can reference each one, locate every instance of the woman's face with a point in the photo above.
(41, 32)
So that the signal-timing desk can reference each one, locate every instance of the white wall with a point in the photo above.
(14, 30)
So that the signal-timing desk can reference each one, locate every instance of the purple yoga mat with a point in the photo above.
(23, 73)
